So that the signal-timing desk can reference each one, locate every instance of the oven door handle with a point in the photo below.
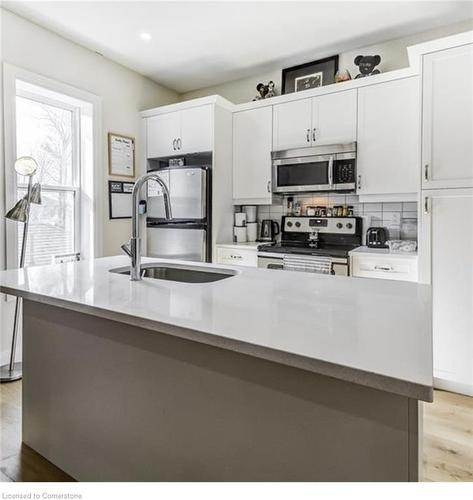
(330, 171)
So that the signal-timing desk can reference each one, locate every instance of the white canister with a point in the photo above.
(250, 211)
(240, 219)
(251, 231)
(239, 234)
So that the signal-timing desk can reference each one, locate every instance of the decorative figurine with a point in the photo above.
(366, 65)
(342, 75)
(265, 91)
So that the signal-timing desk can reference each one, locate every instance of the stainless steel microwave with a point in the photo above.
(320, 168)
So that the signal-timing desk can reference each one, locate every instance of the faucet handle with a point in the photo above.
(126, 248)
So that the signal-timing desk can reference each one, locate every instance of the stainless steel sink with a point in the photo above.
(178, 272)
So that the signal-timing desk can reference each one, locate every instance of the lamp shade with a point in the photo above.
(36, 194)
(26, 165)
(19, 212)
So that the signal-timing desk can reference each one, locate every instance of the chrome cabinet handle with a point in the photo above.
(174, 144)
(426, 171)
(426, 206)
(313, 134)
(359, 181)
(179, 143)
(268, 186)
(235, 256)
(308, 135)
(383, 268)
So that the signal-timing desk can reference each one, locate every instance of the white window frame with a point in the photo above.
(76, 161)
(12, 74)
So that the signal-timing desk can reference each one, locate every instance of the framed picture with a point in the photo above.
(119, 199)
(309, 75)
(121, 155)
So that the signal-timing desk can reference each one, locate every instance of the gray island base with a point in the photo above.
(109, 401)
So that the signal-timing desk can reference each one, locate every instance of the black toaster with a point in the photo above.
(376, 237)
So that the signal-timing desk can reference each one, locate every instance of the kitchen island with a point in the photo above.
(263, 376)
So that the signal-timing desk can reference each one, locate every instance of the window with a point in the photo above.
(49, 131)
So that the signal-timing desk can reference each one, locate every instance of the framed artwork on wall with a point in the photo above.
(121, 155)
(309, 75)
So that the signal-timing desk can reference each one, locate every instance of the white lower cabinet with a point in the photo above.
(446, 251)
(237, 255)
(400, 267)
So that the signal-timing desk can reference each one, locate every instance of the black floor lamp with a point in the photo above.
(27, 167)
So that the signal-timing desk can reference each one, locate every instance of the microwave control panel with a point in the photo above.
(344, 171)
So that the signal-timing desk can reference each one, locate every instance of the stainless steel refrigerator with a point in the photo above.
(188, 235)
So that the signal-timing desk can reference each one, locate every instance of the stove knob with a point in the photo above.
(339, 225)
(349, 225)
(289, 224)
(298, 224)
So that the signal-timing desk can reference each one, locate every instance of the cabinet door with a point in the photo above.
(389, 137)
(162, 134)
(334, 118)
(252, 133)
(196, 130)
(292, 125)
(446, 252)
(447, 155)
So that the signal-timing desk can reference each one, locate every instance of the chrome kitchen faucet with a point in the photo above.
(133, 249)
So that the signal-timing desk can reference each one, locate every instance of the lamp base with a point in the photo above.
(10, 376)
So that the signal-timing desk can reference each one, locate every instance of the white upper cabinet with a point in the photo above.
(445, 251)
(389, 137)
(162, 132)
(334, 118)
(447, 152)
(327, 119)
(292, 125)
(180, 132)
(196, 129)
(252, 141)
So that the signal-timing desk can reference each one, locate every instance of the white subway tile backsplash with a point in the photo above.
(375, 218)
(373, 207)
(409, 206)
(351, 199)
(392, 207)
(336, 199)
(387, 214)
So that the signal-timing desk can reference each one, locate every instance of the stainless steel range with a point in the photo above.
(313, 244)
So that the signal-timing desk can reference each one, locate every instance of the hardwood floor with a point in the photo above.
(448, 441)
(19, 462)
(448, 438)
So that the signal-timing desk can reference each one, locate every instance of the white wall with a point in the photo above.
(393, 56)
(124, 93)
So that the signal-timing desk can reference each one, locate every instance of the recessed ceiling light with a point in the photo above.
(145, 36)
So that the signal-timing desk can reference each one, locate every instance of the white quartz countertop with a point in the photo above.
(385, 252)
(371, 332)
(249, 245)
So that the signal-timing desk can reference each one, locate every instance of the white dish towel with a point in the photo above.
(321, 265)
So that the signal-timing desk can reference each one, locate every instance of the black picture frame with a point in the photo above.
(321, 69)
(118, 187)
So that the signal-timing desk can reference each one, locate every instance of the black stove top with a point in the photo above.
(304, 249)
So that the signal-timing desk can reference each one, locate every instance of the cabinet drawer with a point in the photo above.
(389, 268)
(236, 256)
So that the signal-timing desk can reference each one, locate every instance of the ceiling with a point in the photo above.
(198, 44)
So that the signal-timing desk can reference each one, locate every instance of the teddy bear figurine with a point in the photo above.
(366, 65)
(264, 91)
